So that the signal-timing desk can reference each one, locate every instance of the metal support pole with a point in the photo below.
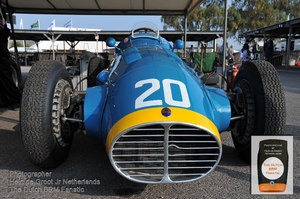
(214, 45)
(97, 39)
(224, 42)
(288, 50)
(53, 40)
(264, 53)
(185, 33)
(38, 50)
(72, 45)
(25, 52)
(53, 53)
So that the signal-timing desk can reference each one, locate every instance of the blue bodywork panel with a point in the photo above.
(146, 73)
(95, 98)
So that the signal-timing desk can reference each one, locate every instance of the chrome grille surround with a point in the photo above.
(165, 153)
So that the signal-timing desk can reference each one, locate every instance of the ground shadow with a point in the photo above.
(87, 161)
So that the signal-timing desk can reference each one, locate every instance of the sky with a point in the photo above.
(94, 22)
(84, 21)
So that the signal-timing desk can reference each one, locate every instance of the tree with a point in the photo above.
(252, 14)
(209, 16)
(243, 15)
(293, 9)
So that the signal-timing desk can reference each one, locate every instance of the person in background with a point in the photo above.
(255, 49)
(226, 48)
(245, 52)
(231, 52)
(269, 49)
(192, 50)
(10, 95)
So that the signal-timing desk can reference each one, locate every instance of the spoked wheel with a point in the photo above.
(46, 97)
(259, 98)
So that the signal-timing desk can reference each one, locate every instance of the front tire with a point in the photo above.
(260, 99)
(46, 97)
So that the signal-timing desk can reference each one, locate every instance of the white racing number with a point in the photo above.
(141, 100)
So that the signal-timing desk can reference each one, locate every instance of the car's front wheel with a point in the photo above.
(46, 98)
(260, 100)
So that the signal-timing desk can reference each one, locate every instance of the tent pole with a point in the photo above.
(224, 42)
(185, 33)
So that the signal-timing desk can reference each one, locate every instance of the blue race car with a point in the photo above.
(159, 122)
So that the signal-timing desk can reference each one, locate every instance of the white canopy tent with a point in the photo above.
(61, 46)
(104, 7)
(30, 49)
